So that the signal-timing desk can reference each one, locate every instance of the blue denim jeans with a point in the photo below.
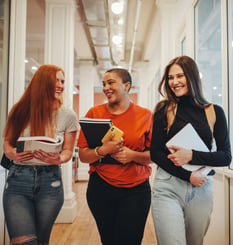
(181, 212)
(32, 199)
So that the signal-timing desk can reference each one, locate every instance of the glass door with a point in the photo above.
(4, 40)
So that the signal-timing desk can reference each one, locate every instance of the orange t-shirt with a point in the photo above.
(136, 123)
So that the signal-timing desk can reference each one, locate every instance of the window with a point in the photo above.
(4, 43)
(4, 29)
(208, 54)
(230, 65)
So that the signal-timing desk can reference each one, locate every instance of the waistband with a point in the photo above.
(48, 167)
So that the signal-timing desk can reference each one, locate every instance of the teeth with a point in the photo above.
(177, 88)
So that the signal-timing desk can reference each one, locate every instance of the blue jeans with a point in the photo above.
(181, 212)
(32, 199)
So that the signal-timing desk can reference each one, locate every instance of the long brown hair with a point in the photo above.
(192, 75)
(36, 106)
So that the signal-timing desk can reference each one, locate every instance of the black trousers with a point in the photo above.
(120, 213)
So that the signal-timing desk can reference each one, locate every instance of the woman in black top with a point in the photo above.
(182, 200)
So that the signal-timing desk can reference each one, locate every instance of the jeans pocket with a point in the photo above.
(162, 175)
(163, 184)
(14, 169)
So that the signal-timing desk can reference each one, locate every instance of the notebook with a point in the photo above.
(188, 138)
(94, 129)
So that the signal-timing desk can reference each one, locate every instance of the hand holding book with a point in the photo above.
(112, 141)
(97, 131)
(42, 147)
(188, 138)
(102, 136)
(179, 156)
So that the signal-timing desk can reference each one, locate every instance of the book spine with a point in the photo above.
(20, 146)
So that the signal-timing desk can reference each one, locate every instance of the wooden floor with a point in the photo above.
(83, 230)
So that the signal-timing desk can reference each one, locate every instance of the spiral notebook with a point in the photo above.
(188, 138)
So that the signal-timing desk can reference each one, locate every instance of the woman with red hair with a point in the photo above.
(33, 194)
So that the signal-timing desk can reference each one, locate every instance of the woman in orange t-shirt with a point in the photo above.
(118, 192)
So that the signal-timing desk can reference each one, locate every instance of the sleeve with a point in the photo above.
(222, 155)
(81, 140)
(158, 150)
(148, 133)
(72, 122)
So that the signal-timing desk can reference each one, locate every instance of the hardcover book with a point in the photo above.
(188, 138)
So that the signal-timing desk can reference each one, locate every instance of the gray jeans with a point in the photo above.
(181, 212)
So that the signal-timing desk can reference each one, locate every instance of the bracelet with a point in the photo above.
(97, 153)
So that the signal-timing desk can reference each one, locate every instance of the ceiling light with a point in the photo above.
(117, 39)
(117, 8)
(25, 61)
(121, 22)
(34, 68)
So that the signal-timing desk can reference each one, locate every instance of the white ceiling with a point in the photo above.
(94, 26)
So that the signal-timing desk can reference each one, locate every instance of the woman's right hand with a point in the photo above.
(197, 178)
(111, 146)
(11, 153)
(19, 157)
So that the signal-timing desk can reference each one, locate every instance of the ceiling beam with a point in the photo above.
(87, 31)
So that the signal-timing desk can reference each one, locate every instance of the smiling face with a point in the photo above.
(177, 81)
(114, 88)
(59, 87)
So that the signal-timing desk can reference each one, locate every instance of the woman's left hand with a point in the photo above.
(124, 155)
(47, 157)
(180, 156)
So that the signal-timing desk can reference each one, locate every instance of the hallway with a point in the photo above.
(83, 230)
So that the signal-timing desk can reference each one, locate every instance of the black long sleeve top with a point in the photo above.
(188, 113)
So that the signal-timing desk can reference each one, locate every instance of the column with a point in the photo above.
(88, 77)
(59, 50)
(17, 51)
(143, 75)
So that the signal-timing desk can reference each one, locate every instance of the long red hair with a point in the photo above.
(37, 107)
